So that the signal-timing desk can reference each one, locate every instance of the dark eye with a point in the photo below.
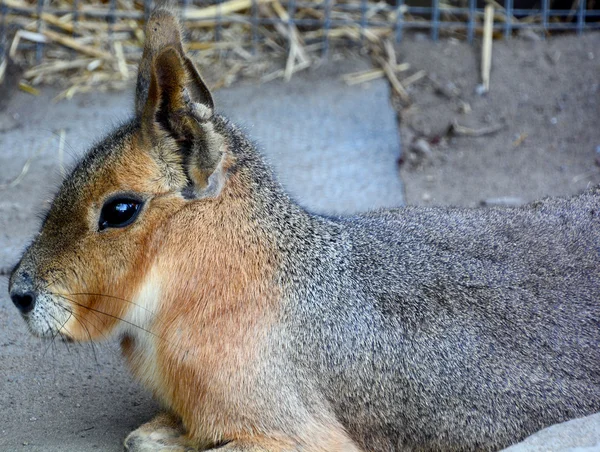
(119, 213)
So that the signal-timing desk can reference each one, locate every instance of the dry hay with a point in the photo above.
(234, 39)
(86, 52)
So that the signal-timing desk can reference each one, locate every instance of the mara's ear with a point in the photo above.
(171, 97)
(163, 31)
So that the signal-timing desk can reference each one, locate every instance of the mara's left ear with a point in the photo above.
(171, 97)
(163, 31)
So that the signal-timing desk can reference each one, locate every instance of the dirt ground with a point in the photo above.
(544, 99)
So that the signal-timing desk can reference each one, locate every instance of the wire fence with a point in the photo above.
(93, 28)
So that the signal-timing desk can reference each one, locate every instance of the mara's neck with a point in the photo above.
(295, 232)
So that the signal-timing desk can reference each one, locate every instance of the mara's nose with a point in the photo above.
(24, 301)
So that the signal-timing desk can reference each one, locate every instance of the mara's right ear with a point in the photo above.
(171, 97)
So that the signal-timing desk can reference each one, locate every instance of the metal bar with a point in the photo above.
(545, 8)
(291, 12)
(219, 27)
(39, 46)
(399, 19)
(75, 13)
(147, 9)
(3, 30)
(291, 16)
(508, 6)
(255, 22)
(111, 20)
(184, 8)
(327, 26)
(471, 23)
(435, 30)
(581, 16)
(363, 20)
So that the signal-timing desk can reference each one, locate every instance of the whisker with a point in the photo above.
(96, 316)
(111, 296)
(57, 321)
(91, 342)
(98, 313)
(111, 316)
(56, 333)
(46, 287)
(53, 344)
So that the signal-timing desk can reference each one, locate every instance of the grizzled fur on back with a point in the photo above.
(454, 329)
(260, 326)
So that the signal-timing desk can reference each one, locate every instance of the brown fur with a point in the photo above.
(95, 276)
(218, 320)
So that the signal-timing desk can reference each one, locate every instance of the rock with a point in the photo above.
(578, 435)
(421, 147)
(529, 35)
(503, 201)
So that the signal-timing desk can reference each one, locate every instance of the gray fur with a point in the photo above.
(438, 328)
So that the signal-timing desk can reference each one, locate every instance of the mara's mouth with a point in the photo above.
(41, 328)
(49, 318)
(71, 320)
(77, 317)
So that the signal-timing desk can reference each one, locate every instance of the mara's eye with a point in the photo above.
(119, 213)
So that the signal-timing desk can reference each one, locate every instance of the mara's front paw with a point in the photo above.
(162, 434)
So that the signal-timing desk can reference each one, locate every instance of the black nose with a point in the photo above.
(25, 301)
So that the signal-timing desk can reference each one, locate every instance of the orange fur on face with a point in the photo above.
(93, 273)
(216, 305)
(192, 310)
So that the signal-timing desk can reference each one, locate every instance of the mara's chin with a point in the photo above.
(42, 329)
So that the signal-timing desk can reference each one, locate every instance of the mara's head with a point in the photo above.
(116, 209)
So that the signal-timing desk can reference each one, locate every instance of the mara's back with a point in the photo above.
(458, 329)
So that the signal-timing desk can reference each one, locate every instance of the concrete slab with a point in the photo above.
(335, 148)
(578, 435)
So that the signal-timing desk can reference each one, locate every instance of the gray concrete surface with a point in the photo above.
(578, 435)
(334, 148)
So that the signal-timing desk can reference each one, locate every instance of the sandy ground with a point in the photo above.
(544, 98)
